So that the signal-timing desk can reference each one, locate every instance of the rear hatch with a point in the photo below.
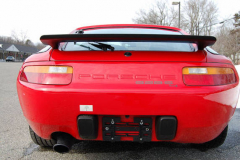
(97, 66)
(129, 56)
(139, 47)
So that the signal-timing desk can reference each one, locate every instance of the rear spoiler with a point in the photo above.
(201, 41)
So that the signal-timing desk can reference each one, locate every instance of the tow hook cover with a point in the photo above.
(166, 127)
(88, 126)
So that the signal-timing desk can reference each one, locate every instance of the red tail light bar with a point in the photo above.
(208, 76)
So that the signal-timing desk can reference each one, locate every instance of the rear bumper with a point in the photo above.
(201, 114)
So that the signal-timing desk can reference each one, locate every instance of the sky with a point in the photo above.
(41, 17)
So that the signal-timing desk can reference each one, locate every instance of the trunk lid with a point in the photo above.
(136, 56)
(142, 47)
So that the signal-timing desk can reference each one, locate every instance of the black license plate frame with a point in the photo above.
(142, 125)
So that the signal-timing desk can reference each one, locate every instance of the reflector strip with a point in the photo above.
(58, 69)
(207, 70)
(49, 69)
(198, 70)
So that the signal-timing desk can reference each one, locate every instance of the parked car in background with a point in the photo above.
(10, 58)
(128, 82)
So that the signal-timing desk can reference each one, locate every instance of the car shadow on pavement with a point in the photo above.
(114, 147)
(86, 147)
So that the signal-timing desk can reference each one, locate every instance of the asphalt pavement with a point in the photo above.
(15, 141)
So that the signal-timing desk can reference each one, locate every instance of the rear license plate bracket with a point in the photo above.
(140, 129)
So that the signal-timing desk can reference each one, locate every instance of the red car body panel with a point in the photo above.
(139, 56)
(130, 26)
(109, 82)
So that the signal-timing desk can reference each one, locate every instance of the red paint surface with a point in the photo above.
(147, 84)
(129, 26)
(140, 56)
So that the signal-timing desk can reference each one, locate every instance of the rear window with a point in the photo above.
(211, 50)
(129, 46)
(45, 49)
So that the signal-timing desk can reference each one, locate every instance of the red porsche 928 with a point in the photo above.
(128, 82)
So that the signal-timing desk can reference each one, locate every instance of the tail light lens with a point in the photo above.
(57, 75)
(208, 76)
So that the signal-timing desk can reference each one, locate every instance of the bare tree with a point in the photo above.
(199, 16)
(160, 14)
(228, 40)
(20, 37)
(40, 46)
(28, 42)
(7, 39)
(227, 44)
(237, 19)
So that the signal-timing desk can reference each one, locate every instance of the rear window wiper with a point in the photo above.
(89, 48)
(103, 46)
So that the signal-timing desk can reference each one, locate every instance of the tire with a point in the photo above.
(40, 141)
(218, 141)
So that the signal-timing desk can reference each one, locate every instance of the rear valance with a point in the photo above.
(201, 41)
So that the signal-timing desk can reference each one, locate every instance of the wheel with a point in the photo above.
(40, 141)
(218, 141)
